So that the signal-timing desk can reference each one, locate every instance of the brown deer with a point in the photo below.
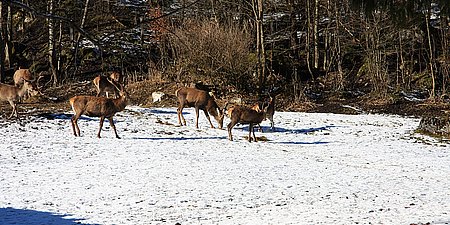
(192, 97)
(245, 115)
(12, 94)
(97, 107)
(270, 112)
(22, 75)
(108, 84)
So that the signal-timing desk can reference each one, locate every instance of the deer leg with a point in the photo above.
(208, 117)
(230, 127)
(250, 129)
(111, 123)
(76, 129)
(253, 130)
(180, 115)
(73, 122)
(196, 116)
(259, 127)
(102, 119)
(14, 110)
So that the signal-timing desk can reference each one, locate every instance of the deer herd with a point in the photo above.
(116, 99)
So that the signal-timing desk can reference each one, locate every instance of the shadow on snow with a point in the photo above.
(179, 138)
(304, 131)
(162, 111)
(10, 216)
(291, 131)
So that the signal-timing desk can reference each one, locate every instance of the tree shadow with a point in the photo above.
(303, 143)
(12, 216)
(162, 111)
(304, 131)
(267, 129)
(179, 138)
(52, 116)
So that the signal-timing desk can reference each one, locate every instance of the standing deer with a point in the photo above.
(245, 115)
(107, 84)
(97, 107)
(22, 75)
(12, 94)
(192, 97)
(270, 111)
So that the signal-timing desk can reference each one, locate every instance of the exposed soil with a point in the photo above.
(56, 100)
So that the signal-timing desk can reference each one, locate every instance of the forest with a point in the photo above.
(308, 48)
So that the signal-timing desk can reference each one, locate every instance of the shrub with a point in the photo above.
(212, 53)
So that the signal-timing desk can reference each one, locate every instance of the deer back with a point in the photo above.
(13, 93)
(103, 84)
(244, 114)
(192, 96)
(22, 75)
(98, 106)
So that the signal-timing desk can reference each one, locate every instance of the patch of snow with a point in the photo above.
(315, 169)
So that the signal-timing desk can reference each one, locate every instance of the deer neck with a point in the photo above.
(120, 103)
(23, 90)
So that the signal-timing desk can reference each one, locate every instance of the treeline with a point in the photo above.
(363, 46)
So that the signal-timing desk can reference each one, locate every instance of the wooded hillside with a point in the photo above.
(309, 48)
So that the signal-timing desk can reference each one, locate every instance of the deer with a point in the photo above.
(22, 75)
(245, 115)
(94, 106)
(107, 84)
(12, 94)
(199, 99)
(270, 111)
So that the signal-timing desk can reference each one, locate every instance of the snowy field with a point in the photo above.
(315, 169)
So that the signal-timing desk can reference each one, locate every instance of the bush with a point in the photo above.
(214, 54)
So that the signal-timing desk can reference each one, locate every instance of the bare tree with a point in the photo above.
(77, 41)
(431, 62)
(2, 47)
(51, 43)
(258, 10)
(316, 34)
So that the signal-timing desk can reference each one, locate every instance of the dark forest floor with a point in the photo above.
(56, 100)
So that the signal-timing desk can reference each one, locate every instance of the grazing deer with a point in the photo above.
(245, 115)
(107, 84)
(270, 112)
(12, 94)
(192, 97)
(97, 107)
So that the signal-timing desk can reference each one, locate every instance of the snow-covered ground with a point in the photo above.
(315, 169)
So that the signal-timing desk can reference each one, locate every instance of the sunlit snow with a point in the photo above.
(314, 169)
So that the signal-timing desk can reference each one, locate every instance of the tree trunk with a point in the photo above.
(51, 44)
(77, 42)
(258, 12)
(316, 34)
(294, 53)
(339, 83)
(59, 59)
(8, 38)
(2, 47)
(444, 59)
(431, 62)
